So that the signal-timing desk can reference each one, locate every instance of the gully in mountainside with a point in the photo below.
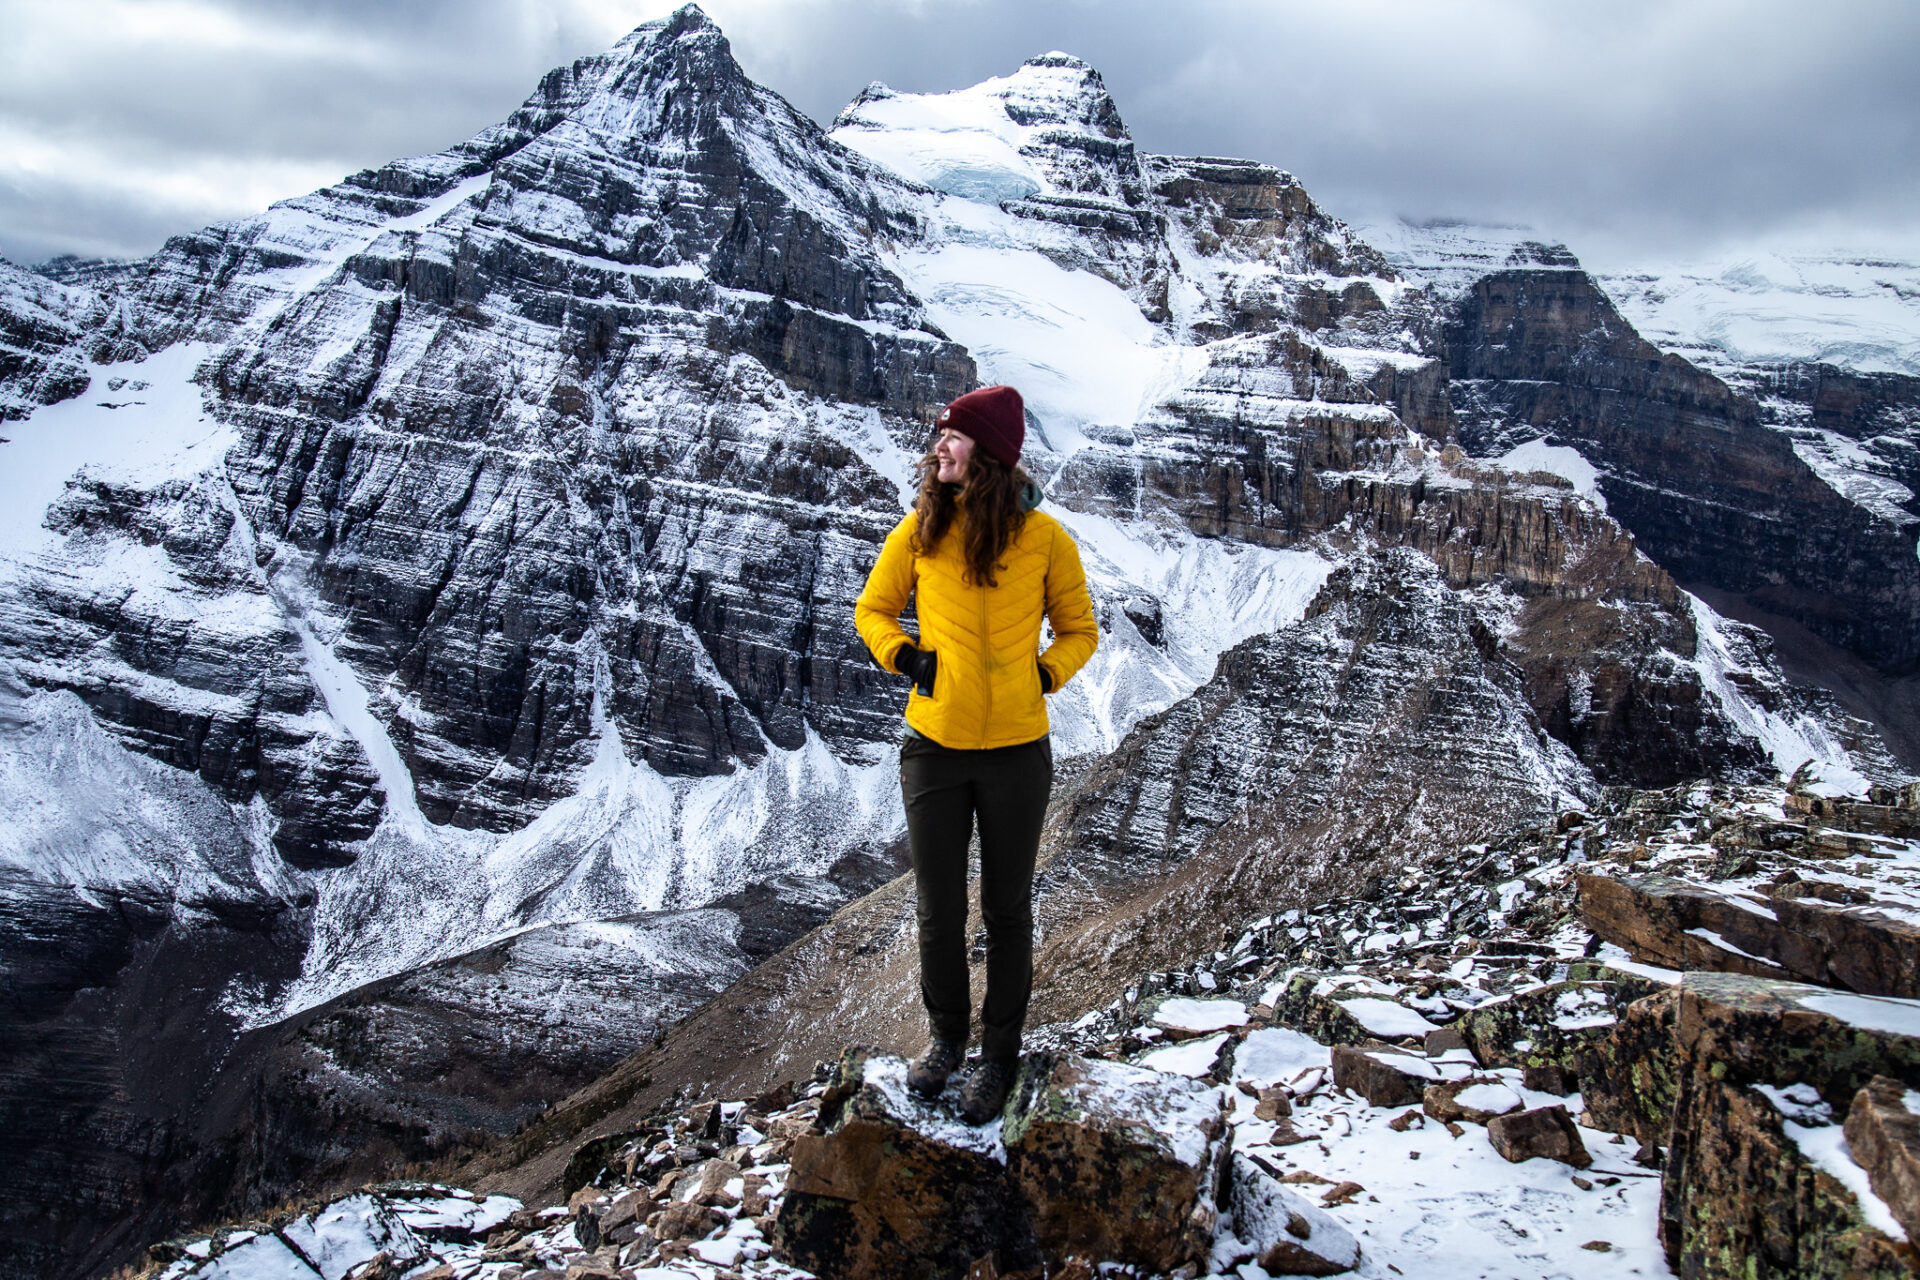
(984, 567)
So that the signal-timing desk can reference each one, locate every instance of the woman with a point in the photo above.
(986, 567)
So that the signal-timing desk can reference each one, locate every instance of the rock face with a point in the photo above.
(1627, 1077)
(1542, 352)
(1758, 1062)
(38, 330)
(1883, 1135)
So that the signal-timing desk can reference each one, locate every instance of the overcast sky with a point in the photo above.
(1634, 129)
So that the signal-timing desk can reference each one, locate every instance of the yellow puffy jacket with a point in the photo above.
(986, 687)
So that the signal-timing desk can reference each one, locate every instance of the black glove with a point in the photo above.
(918, 665)
(1046, 678)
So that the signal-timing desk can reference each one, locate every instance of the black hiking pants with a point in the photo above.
(1004, 790)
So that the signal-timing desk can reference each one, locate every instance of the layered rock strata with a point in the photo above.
(1535, 352)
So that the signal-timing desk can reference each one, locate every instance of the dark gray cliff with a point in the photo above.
(1709, 491)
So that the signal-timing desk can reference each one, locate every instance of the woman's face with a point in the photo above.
(951, 450)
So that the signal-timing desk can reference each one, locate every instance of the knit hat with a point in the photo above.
(994, 417)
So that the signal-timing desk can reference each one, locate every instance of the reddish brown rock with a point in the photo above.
(1737, 1196)
(892, 1186)
(1884, 1137)
(1382, 1077)
(683, 1222)
(1651, 917)
(1442, 1101)
(1692, 927)
(1543, 1131)
(1116, 1162)
(712, 1190)
(1275, 1103)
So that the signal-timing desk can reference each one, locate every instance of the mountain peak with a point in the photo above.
(1050, 128)
(1060, 89)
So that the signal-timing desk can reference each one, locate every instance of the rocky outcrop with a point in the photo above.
(1763, 1065)
(1688, 926)
(1627, 1077)
(1096, 1162)
(38, 333)
(889, 1184)
(1543, 353)
(1117, 1163)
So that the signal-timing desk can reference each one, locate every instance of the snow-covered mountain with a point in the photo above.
(444, 580)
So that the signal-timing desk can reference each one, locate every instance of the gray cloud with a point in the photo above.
(1634, 128)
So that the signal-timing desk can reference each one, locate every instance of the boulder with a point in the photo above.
(1689, 926)
(892, 1185)
(1185, 1018)
(1543, 1131)
(1627, 1076)
(1281, 1230)
(1476, 1098)
(1883, 1134)
(1115, 1163)
(1741, 1194)
(1549, 1078)
(1381, 1076)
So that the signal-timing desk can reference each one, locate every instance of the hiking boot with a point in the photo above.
(927, 1074)
(986, 1091)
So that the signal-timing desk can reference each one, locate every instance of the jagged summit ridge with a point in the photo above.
(1050, 130)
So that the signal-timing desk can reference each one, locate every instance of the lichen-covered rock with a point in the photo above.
(1883, 1133)
(1555, 1024)
(1543, 1131)
(1740, 1195)
(1312, 1002)
(1627, 1076)
(1117, 1163)
(1280, 1229)
(892, 1185)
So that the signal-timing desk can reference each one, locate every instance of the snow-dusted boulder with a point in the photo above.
(1115, 1162)
(893, 1185)
(1281, 1230)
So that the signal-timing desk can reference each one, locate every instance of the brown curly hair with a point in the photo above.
(995, 511)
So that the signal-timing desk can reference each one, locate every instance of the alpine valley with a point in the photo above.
(428, 683)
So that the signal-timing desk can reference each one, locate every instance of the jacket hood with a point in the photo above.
(1030, 496)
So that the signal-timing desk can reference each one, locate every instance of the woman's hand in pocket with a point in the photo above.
(918, 665)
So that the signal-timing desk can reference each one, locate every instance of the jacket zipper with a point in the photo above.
(986, 666)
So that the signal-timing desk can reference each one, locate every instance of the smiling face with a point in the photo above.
(952, 450)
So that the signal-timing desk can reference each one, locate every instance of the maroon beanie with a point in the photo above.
(994, 417)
